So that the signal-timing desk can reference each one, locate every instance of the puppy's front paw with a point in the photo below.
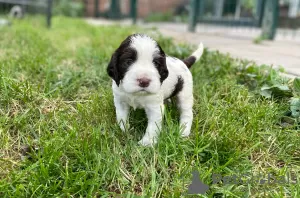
(146, 141)
(185, 132)
(124, 127)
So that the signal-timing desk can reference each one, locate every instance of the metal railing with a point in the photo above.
(264, 14)
(29, 6)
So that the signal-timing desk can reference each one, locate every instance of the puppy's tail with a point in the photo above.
(194, 57)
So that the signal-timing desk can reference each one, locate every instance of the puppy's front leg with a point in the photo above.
(122, 111)
(154, 115)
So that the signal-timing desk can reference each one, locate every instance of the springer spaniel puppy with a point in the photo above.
(143, 77)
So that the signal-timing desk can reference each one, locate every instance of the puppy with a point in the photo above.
(143, 77)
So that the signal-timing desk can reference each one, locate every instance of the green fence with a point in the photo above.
(250, 13)
(254, 13)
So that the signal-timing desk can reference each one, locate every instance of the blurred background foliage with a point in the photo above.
(69, 8)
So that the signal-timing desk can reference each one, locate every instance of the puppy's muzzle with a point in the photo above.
(144, 82)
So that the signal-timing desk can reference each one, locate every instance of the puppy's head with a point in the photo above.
(138, 65)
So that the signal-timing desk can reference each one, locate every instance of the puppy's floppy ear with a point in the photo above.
(112, 68)
(161, 65)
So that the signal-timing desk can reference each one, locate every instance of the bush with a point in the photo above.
(158, 17)
(68, 8)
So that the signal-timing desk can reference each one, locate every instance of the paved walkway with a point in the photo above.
(238, 43)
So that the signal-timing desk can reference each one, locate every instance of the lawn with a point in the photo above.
(59, 137)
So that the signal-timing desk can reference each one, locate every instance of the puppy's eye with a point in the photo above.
(157, 62)
(128, 61)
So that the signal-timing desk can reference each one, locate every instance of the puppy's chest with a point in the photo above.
(140, 101)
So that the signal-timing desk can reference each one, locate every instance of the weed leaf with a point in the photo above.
(297, 85)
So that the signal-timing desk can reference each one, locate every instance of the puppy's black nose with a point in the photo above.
(144, 82)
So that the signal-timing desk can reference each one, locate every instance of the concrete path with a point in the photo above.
(238, 43)
(278, 53)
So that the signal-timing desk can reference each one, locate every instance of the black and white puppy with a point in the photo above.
(143, 77)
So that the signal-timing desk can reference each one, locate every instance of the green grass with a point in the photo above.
(59, 138)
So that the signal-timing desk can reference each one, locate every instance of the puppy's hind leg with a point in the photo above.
(185, 102)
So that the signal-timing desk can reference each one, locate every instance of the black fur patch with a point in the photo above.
(121, 60)
(178, 87)
(160, 62)
(189, 61)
